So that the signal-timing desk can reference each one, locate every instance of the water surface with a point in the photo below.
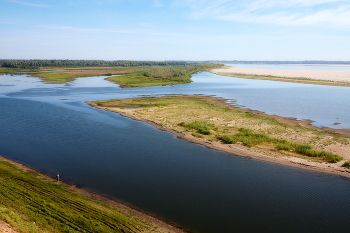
(50, 128)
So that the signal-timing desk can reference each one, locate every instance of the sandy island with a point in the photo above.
(326, 75)
(249, 152)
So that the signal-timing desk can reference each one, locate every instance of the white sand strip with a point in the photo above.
(328, 75)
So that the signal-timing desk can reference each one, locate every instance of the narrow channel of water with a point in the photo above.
(50, 128)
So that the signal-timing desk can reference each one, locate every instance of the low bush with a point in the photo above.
(346, 164)
(247, 136)
(202, 127)
(306, 149)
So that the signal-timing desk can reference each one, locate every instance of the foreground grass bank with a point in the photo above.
(213, 121)
(31, 203)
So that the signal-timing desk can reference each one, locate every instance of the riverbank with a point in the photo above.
(219, 120)
(321, 77)
(57, 207)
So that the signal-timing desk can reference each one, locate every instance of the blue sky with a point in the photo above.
(175, 29)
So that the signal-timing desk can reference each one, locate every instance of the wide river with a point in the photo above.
(49, 127)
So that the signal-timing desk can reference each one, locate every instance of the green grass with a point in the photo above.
(346, 164)
(31, 204)
(201, 127)
(160, 75)
(136, 76)
(307, 150)
(13, 70)
(62, 77)
(56, 77)
(249, 138)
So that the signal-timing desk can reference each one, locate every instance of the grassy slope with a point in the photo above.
(31, 203)
(213, 120)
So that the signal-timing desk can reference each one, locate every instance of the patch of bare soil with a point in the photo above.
(6, 228)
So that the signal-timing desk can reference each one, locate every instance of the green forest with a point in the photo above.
(35, 64)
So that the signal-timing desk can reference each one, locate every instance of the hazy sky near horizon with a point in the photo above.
(175, 29)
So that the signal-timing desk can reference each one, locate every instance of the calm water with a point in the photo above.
(50, 128)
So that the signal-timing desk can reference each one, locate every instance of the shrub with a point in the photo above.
(197, 135)
(302, 148)
(228, 139)
(247, 137)
(202, 127)
(284, 146)
(346, 164)
(306, 149)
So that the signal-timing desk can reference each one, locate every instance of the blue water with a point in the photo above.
(49, 127)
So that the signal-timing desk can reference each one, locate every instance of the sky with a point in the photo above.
(197, 30)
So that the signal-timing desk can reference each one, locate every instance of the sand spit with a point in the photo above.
(326, 75)
(240, 150)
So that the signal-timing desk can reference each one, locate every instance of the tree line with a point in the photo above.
(34, 64)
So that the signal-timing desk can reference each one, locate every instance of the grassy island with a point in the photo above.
(217, 124)
(126, 73)
(31, 202)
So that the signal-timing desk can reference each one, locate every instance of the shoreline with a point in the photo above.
(162, 224)
(323, 77)
(238, 150)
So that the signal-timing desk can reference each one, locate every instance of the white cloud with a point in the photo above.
(28, 4)
(278, 12)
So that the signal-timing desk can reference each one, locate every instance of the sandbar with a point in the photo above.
(326, 75)
(163, 123)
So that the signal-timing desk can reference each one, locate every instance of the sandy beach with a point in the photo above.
(326, 75)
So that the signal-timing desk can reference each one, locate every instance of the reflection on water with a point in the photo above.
(50, 128)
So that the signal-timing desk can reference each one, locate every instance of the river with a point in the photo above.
(49, 127)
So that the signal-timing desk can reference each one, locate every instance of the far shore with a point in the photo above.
(251, 153)
(336, 76)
